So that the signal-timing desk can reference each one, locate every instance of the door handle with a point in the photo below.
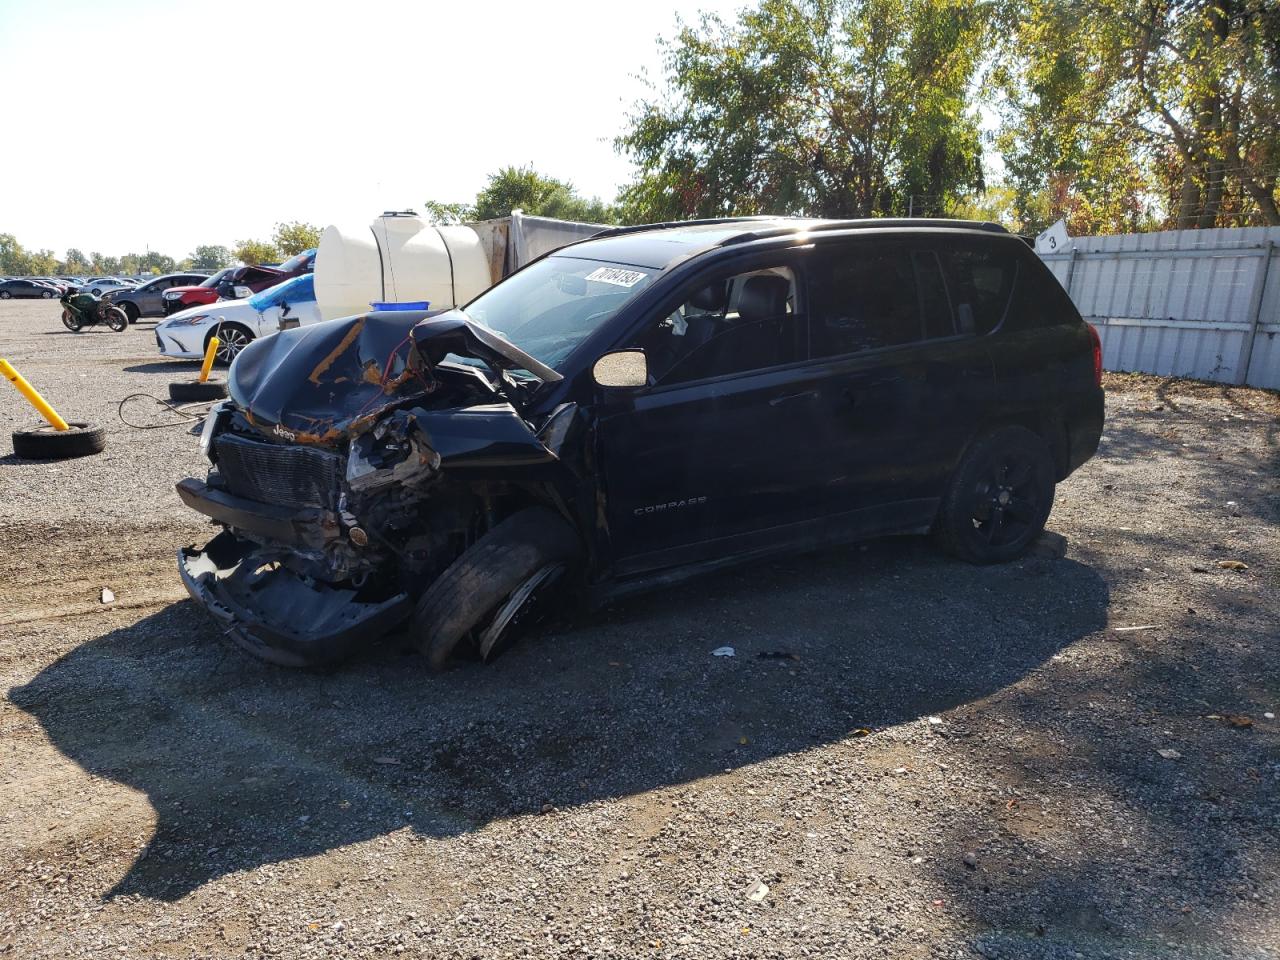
(788, 398)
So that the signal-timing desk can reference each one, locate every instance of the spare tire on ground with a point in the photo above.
(192, 390)
(43, 442)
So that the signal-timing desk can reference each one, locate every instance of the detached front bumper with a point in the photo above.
(275, 614)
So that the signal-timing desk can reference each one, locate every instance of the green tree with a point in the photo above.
(822, 107)
(76, 262)
(291, 238)
(104, 264)
(1126, 114)
(524, 189)
(13, 259)
(256, 251)
(41, 263)
(210, 257)
(448, 214)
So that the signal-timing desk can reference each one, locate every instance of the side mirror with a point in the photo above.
(622, 368)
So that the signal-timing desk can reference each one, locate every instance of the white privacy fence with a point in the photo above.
(1186, 303)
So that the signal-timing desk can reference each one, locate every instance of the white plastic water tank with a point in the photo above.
(398, 258)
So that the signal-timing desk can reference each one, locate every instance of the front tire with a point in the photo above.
(70, 320)
(999, 498)
(5, 295)
(475, 586)
(232, 338)
(46, 295)
(131, 311)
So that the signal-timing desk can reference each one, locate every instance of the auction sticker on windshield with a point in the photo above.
(620, 278)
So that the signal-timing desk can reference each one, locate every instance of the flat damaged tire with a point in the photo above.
(192, 391)
(531, 546)
(43, 442)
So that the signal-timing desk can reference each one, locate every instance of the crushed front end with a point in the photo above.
(349, 466)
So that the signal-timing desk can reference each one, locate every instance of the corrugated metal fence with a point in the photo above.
(1186, 303)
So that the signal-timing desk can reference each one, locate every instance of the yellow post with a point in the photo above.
(34, 398)
(209, 354)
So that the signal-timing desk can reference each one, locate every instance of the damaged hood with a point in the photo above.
(323, 382)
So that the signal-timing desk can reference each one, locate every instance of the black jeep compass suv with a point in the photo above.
(635, 408)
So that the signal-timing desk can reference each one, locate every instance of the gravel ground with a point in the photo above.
(945, 761)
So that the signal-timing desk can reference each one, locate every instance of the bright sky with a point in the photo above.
(145, 123)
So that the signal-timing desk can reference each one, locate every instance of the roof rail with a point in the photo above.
(867, 223)
(675, 224)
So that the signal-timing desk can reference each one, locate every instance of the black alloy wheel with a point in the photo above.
(999, 498)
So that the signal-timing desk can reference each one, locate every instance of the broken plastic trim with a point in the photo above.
(263, 605)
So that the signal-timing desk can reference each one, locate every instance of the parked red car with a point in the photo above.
(236, 283)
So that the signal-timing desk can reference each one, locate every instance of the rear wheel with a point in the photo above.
(117, 319)
(999, 497)
(46, 294)
(131, 311)
(485, 592)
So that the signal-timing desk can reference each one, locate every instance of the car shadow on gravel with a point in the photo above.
(246, 764)
(1135, 810)
(163, 366)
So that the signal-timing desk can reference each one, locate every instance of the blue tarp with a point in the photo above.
(293, 290)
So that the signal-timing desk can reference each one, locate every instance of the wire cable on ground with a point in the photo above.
(179, 410)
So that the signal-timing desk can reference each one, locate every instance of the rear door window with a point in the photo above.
(868, 295)
(982, 279)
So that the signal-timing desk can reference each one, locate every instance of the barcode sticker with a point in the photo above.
(620, 278)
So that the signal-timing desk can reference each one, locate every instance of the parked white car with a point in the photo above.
(237, 323)
(100, 285)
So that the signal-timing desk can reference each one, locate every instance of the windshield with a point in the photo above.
(216, 278)
(551, 306)
(293, 290)
(297, 261)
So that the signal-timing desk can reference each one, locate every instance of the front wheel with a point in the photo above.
(46, 294)
(231, 340)
(5, 295)
(999, 497)
(70, 321)
(485, 591)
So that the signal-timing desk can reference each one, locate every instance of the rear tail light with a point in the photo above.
(1097, 353)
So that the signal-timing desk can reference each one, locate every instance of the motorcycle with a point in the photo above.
(80, 310)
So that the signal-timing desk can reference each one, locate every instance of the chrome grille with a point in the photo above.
(284, 475)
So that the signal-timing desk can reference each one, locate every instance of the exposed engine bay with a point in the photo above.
(353, 462)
